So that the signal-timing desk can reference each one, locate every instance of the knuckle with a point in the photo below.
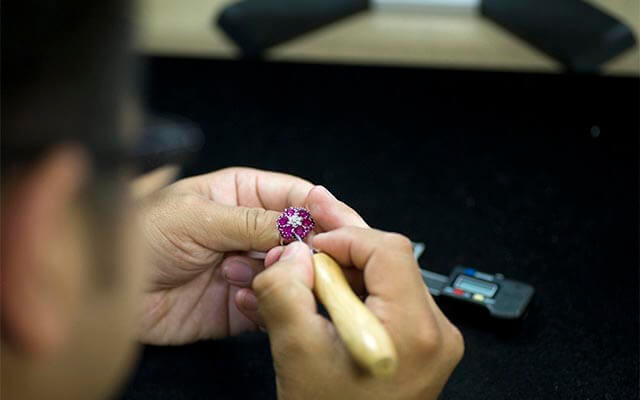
(457, 344)
(251, 216)
(429, 341)
(398, 241)
(255, 223)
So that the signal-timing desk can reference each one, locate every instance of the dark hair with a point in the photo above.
(65, 73)
(65, 66)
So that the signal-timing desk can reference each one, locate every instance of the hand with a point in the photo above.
(310, 360)
(199, 230)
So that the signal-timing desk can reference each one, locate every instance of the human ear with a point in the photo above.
(39, 279)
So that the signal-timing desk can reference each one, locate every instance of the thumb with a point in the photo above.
(232, 228)
(329, 212)
(284, 291)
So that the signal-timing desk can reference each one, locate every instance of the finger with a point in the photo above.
(240, 270)
(273, 255)
(329, 212)
(247, 304)
(229, 228)
(270, 190)
(390, 270)
(153, 180)
(397, 294)
(239, 321)
(353, 275)
(284, 292)
(276, 191)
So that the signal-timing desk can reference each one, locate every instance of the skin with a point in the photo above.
(172, 268)
(50, 298)
(176, 254)
(280, 298)
(63, 335)
(305, 344)
(200, 229)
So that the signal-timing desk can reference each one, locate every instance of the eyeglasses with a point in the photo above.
(162, 141)
(166, 140)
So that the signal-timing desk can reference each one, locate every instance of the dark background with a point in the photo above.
(531, 175)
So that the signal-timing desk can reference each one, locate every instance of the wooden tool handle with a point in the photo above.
(360, 330)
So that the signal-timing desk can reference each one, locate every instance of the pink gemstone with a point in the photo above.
(304, 223)
(287, 232)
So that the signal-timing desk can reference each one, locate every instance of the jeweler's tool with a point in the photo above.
(363, 334)
(503, 298)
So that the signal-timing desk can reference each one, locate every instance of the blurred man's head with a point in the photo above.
(68, 279)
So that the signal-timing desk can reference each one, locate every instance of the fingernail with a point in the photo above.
(291, 250)
(249, 301)
(238, 272)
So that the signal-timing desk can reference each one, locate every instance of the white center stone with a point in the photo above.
(295, 220)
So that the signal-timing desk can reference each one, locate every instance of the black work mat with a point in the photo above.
(534, 176)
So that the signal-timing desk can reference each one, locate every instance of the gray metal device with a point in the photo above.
(503, 298)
